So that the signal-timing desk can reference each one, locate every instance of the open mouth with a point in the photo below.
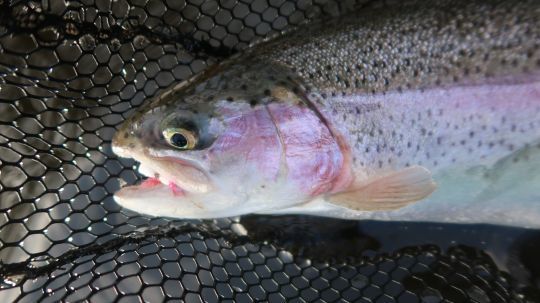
(167, 176)
(152, 183)
(155, 183)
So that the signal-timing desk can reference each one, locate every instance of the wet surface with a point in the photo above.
(513, 250)
(70, 74)
(291, 257)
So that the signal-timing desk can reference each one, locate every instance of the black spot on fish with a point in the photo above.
(126, 135)
(253, 102)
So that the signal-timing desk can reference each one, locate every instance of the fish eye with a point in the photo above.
(180, 138)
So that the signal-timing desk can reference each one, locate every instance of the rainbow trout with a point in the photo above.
(416, 112)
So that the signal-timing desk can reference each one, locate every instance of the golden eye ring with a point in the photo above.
(180, 138)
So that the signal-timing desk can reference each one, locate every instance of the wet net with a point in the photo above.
(72, 71)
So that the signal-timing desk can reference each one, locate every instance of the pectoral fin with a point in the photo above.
(393, 191)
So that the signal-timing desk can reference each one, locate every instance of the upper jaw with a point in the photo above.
(178, 174)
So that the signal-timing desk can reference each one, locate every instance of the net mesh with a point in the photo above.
(70, 73)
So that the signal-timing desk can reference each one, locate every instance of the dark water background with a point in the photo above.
(515, 250)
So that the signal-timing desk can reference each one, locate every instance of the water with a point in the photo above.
(514, 250)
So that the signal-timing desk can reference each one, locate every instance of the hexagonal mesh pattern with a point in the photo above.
(70, 73)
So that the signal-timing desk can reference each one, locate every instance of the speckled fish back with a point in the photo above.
(414, 46)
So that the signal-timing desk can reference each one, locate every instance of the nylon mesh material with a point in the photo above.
(70, 73)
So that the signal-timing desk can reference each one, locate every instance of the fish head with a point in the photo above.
(232, 144)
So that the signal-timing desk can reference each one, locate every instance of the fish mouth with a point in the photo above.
(166, 177)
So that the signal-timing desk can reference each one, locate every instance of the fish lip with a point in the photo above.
(151, 166)
(187, 164)
(139, 186)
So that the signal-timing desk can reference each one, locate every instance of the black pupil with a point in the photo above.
(179, 140)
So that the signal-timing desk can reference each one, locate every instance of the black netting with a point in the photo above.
(72, 71)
